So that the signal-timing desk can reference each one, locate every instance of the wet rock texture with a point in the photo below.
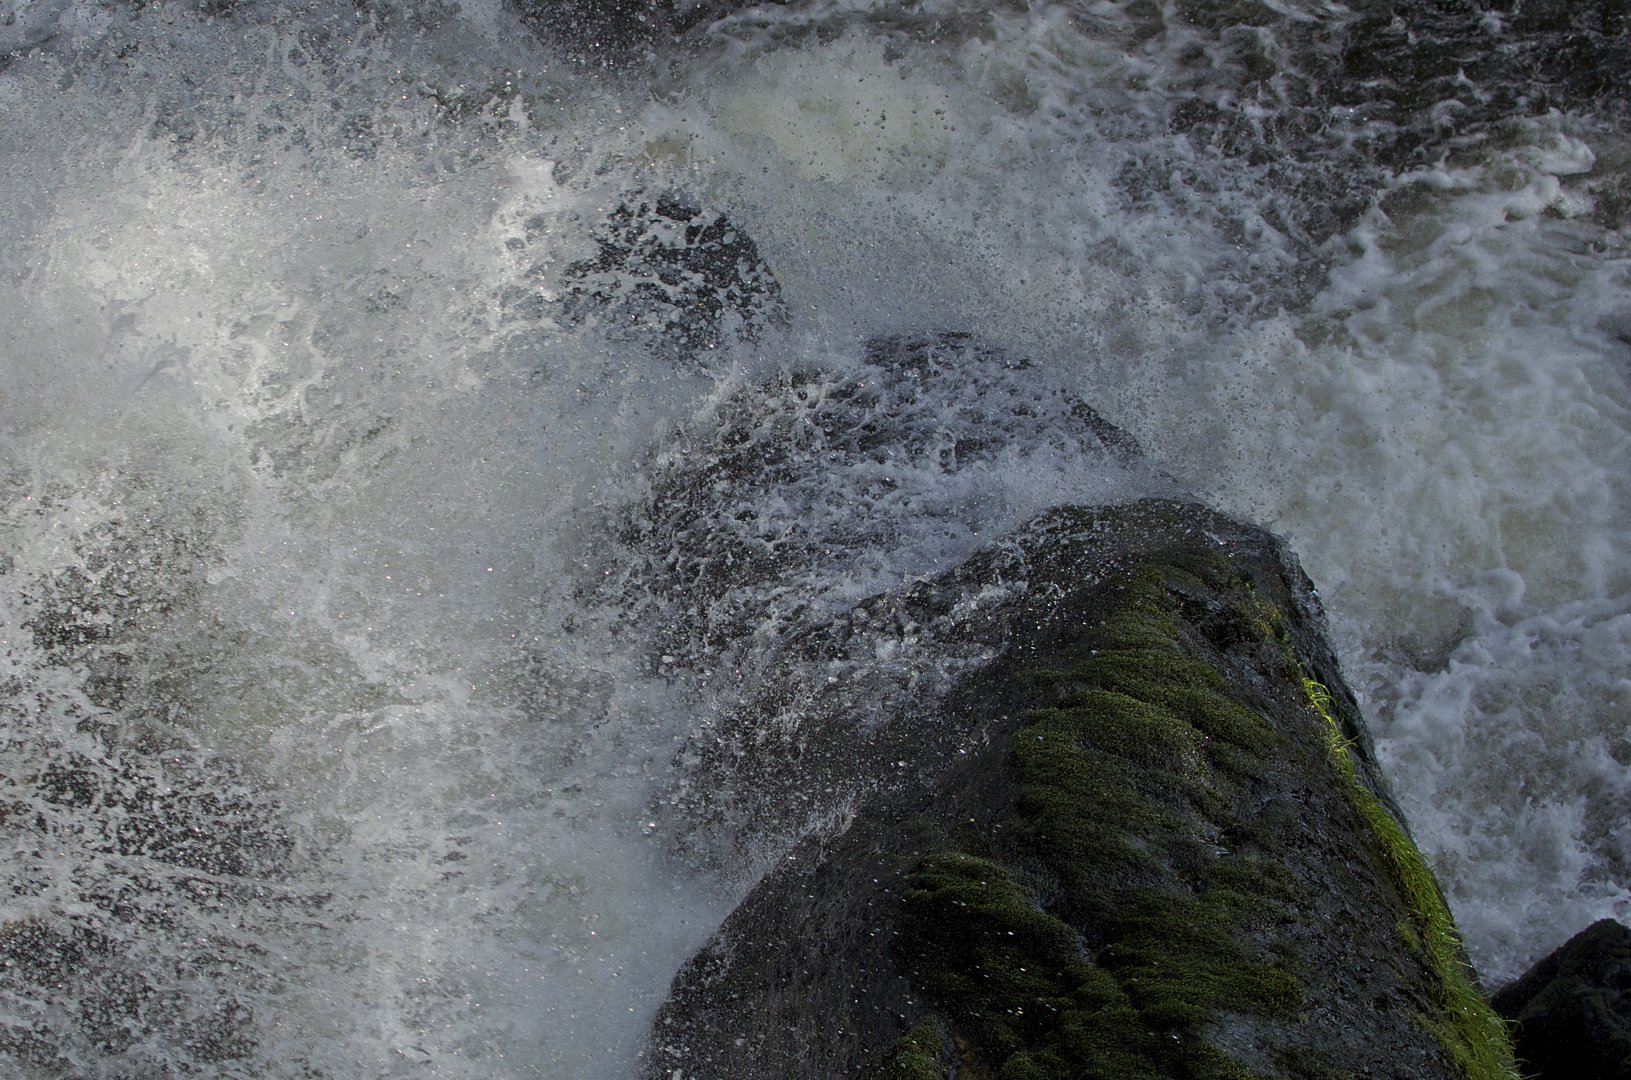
(614, 33)
(740, 566)
(673, 276)
(1572, 1011)
(1127, 847)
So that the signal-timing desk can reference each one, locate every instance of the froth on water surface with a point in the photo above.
(423, 440)
(304, 774)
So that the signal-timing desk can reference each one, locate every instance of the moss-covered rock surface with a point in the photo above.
(1160, 849)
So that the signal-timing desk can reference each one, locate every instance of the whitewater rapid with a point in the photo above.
(344, 728)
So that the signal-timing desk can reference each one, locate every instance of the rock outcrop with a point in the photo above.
(1571, 1012)
(1148, 839)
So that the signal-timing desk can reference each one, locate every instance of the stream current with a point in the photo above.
(420, 423)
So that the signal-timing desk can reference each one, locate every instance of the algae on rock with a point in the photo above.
(1159, 848)
(1136, 792)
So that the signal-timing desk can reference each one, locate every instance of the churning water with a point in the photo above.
(414, 434)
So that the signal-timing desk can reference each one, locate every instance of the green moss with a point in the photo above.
(1116, 927)
(1002, 967)
(1123, 778)
(920, 1054)
(1475, 1037)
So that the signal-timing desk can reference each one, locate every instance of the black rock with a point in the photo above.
(1092, 802)
(1573, 1009)
(745, 561)
(1146, 841)
(613, 33)
(672, 275)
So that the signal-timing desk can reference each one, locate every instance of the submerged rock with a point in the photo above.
(1572, 1011)
(1147, 839)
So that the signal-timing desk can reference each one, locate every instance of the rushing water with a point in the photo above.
(369, 568)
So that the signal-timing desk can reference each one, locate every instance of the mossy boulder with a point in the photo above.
(1156, 846)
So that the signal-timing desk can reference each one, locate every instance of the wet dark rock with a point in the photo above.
(1572, 1010)
(786, 480)
(747, 563)
(613, 33)
(1137, 840)
(673, 275)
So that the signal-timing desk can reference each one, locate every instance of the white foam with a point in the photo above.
(292, 368)
(1448, 466)
(283, 346)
